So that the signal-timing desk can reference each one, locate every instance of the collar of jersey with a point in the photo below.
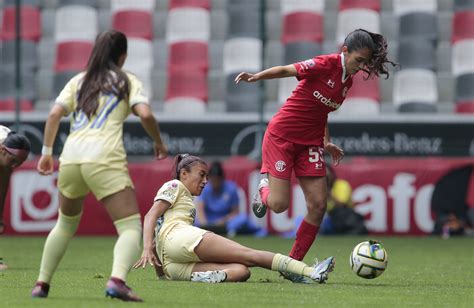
(344, 77)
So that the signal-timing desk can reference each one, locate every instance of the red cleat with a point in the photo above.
(41, 289)
(117, 288)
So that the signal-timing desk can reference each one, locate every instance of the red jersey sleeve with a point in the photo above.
(316, 66)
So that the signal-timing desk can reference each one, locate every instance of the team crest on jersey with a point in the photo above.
(307, 64)
(331, 83)
(344, 92)
(280, 166)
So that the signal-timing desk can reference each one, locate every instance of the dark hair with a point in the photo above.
(109, 47)
(185, 161)
(17, 145)
(216, 169)
(360, 39)
(17, 141)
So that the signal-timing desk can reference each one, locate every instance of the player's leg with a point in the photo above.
(214, 248)
(113, 187)
(71, 197)
(123, 209)
(314, 189)
(211, 272)
(277, 163)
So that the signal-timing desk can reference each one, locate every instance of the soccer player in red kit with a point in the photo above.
(297, 136)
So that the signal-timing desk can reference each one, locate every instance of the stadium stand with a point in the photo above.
(415, 90)
(228, 36)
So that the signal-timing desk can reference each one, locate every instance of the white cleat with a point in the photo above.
(322, 269)
(209, 276)
(259, 209)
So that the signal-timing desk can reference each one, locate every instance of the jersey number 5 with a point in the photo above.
(315, 154)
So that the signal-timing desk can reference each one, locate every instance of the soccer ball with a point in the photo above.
(368, 259)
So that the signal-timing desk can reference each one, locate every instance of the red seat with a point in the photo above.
(360, 4)
(302, 26)
(8, 104)
(30, 23)
(205, 4)
(72, 56)
(135, 24)
(463, 26)
(465, 107)
(364, 88)
(187, 83)
(188, 55)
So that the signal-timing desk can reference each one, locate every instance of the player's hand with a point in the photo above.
(337, 154)
(248, 77)
(161, 151)
(45, 165)
(148, 257)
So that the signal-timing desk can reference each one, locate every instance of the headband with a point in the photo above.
(21, 154)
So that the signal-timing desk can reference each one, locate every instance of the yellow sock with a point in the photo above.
(127, 247)
(56, 245)
(283, 263)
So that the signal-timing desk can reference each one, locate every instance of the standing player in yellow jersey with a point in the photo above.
(190, 253)
(94, 159)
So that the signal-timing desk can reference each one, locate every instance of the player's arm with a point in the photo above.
(4, 181)
(201, 213)
(270, 73)
(152, 128)
(336, 152)
(156, 211)
(46, 164)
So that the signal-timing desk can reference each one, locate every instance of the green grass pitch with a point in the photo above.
(422, 271)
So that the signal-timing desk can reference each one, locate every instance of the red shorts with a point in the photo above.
(280, 157)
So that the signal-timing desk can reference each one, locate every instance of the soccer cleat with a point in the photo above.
(322, 269)
(41, 289)
(259, 209)
(295, 278)
(118, 289)
(209, 276)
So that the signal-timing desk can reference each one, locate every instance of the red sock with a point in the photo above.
(264, 192)
(305, 237)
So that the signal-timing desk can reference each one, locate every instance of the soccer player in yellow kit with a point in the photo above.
(94, 158)
(189, 253)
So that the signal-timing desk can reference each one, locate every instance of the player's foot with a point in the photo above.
(209, 276)
(117, 288)
(259, 209)
(295, 278)
(322, 269)
(41, 289)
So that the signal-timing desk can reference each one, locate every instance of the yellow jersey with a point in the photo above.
(100, 138)
(181, 211)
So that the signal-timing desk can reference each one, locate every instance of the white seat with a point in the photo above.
(415, 85)
(462, 57)
(139, 54)
(351, 19)
(285, 88)
(310, 6)
(242, 54)
(185, 105)
(359, 106)
(188, 24)
(76, 23)
(402, 7)
(140, 62)
(125, 5)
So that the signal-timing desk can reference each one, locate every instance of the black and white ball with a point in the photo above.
(368, 259)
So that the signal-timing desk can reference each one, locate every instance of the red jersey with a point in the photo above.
(323, 85)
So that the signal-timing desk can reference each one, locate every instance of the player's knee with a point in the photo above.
(243, 273)
(280, 206)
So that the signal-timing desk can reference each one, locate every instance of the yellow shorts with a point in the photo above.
(178, 256)
(76, 180)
